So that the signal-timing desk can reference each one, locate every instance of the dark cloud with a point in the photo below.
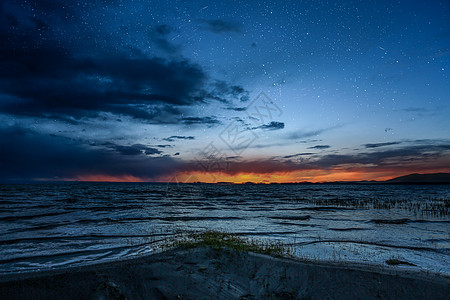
(47, 80)
(405, 159)
(233, 157)
(53, 84)
(159, 36)
(421, 111)
(222, 91)
(312, 133)
(221, 26)
(25, 154)
(136, 149)
(320, 147)
(431, 142)
(274, 125)
(413, 109)
(178, 137)
(428, 153)
(298, 154)
(42, 75)
(376, 145)
(400, 157)
(309, 141)
(236, 108)
(208, 121)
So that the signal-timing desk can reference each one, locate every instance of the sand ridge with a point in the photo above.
(206, 273)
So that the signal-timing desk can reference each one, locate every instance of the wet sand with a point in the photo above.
(205, 273)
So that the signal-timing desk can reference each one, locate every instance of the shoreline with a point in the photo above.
(226, 273)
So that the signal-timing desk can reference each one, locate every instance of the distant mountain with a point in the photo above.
(422, 178)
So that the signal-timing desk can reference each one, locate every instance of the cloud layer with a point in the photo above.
(43, 74)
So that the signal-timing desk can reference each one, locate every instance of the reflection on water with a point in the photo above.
(52, 225)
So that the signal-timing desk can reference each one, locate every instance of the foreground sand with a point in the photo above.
(205, 273)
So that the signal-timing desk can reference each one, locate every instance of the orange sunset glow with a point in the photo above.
(107, 178)
(314, 176)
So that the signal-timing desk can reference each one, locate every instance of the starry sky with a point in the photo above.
(261, 91)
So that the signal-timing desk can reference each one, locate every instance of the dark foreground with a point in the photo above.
(204, 273)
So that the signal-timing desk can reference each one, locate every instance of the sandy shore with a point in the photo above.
(204, 273)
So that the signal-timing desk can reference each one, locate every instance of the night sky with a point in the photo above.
(211, 91)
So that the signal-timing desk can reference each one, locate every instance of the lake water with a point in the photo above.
(64, 224)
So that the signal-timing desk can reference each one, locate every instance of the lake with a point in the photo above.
(53, 225)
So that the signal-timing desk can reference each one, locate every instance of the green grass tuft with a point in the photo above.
(223, 240)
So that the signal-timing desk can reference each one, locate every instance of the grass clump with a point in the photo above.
(223, 240)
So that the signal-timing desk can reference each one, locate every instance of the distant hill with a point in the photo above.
(422, 178)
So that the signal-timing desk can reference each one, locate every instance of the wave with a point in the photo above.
(81, 237)
(72, 253)
(391, 221)
(174, 219)
(324, 208)
(292, 218)
(28, 217)
(348, 229)
(417, 248)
